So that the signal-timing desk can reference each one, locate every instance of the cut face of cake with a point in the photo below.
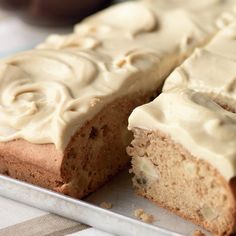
(184, 147)
(64, 106)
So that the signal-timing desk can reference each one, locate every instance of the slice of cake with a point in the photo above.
(64, 106)
(184, 147)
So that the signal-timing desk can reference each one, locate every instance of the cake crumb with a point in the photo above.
(198, 232)
(94, 101)
(142, 215)
(138, 212)
(106, 205)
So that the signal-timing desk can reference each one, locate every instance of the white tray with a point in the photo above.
(119, 220)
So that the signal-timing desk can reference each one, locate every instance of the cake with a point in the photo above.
(184, 147)
(64, 106)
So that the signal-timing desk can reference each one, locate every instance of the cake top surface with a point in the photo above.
(49, 92)
(211, 69)
(197, 107)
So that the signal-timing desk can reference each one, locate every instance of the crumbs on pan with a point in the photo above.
(142, 215)
(106, 205)
(198, 232)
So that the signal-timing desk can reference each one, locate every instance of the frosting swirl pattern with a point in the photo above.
(38, 94)
(48, 93)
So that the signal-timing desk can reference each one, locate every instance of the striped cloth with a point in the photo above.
(17, 219)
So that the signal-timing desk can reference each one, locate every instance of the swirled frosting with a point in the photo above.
(48, 93)
(197, 107)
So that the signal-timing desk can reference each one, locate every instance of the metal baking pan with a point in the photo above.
(118, 220)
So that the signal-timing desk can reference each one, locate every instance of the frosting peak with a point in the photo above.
(123, 17)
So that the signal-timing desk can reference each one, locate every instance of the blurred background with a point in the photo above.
(25, 23)
(54, 12)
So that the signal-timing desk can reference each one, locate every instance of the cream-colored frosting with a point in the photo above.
(48, 93)
(187, 109)
(211, 69)
(192, 119)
